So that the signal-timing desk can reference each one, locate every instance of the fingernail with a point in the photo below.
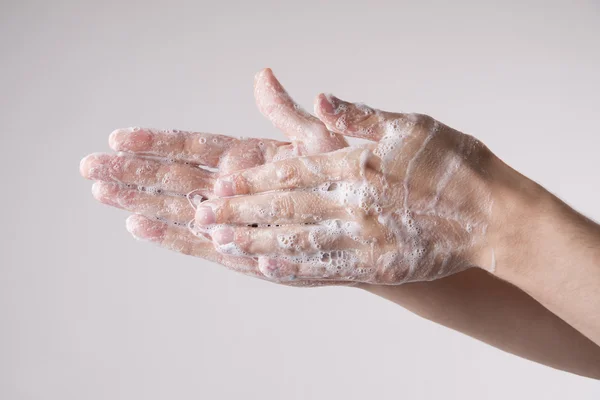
(198, 231)
(325, 104)
(269, 267)
(195, 198)
(224, 188)
(223, 235)
(97, 190)
(205, 215)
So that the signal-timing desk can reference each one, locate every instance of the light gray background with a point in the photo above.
(88, 313)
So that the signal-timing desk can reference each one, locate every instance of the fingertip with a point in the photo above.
(276, 269)
(130, 139)
(87, 165)
(266, 84)
(322, 105)
(329, 105)
(83, 167)
(205, 215)
(97, 190)
(269, 267)
(115, 138)
(145, 229)
(258, 79)
(223, 235)
(274, 102)
(133, 225)
(105, 192)
(262, 74)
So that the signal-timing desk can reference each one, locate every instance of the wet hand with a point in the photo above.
(157, 173)
(413, 205)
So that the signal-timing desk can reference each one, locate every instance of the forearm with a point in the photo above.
(481, 306)
(539, 245)
(554, 255)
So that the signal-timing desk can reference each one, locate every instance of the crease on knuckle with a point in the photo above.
(244, 185)
(283, 206)
(288, 174)
(247, 240)
(187, 144)
(163, 173)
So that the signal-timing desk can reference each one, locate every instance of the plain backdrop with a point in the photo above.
(86, 312)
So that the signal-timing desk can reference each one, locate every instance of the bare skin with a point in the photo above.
(435, 201)
(156, 170)
(472, 301)
(390, 213)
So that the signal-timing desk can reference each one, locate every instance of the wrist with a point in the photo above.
(521, 210)
(532, 230)
(551, 252)
(543, 240)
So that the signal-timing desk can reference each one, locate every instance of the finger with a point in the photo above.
(205, 149)
(288, 240)
(181, 240)
(153, 175)
(308, 133)
(336, 265)
(300, 172)
(249, 153)
(175, 209)
(358, 120)
(193, 147)
(271, 208)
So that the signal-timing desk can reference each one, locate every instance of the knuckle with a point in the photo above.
(224, 211)
(419, 118)
(354, 164)
(283, 206)
(316, 239)
(164, 172)
(422, 123)
(288, 242)
(176, 169)
(242, 185)
(359, 117)
(185, 143)
(246, 240)
(185, 248)
(389, 268)
(288, 174)
(126, 198)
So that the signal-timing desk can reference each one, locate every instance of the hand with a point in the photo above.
(474, 303)
(414, 206)
(157, 169)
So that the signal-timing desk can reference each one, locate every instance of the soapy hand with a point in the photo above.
(156, 170)
(414, 205)
(421, 202)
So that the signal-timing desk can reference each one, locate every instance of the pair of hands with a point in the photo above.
(414, 204)
(420, 201)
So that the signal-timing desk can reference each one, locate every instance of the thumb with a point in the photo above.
(356, 119)
(307, 131)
